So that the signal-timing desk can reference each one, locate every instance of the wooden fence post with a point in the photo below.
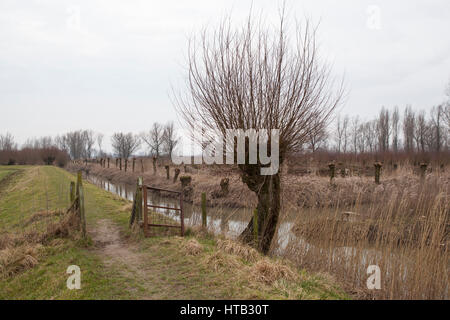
(78, 181)
(80, 195)
(139, 207)
(136, 213)
(144, 196)
(72, 192)
(82, 213)
(204, 217)
(182, 214)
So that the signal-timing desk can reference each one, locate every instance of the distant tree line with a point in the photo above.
(35, 151)
(160, 140)
(391, 131)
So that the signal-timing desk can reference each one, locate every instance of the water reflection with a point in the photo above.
(226, 221)
(230, 222)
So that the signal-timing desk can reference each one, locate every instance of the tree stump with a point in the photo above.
(332, 167)
(187, 188)
(167, 172)
(224, 186)
(377, 166)
(177, 173)
(423, 170)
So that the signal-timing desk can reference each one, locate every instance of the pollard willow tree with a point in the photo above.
(256, 77)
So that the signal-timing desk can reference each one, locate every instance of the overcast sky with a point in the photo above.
(109, 65)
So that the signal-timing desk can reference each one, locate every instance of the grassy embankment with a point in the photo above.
(119, 264)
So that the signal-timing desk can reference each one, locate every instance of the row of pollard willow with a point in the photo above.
(105, 163)
(141, 205)
(377, 165)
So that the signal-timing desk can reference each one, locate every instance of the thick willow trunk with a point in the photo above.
(268, 212)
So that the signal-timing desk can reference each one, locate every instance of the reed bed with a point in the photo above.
(405, 233)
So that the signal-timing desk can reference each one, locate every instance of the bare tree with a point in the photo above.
(154, 139)
(89, 142)
(370, 135)
(421, 131)
(254, 78)
(355, 133)
(447, 106)
(125, 144)
(7, 142)
(74, 142)
(395, 122)
(169, 138)
(384, 130)
(408, 129)
(345, 133)
(317, 136)
(341, 129)
(361, 139)
(100, 137)
(436, 122)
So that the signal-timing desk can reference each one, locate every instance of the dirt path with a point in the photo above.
(114, 251)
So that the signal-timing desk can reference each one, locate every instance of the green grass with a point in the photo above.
(36, 190)
(4, 173)
(162, 270)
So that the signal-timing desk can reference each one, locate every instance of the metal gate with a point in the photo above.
(158, 220)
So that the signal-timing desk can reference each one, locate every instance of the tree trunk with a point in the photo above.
(269, 203)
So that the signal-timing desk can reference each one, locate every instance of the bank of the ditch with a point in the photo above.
(299, 192)
(116, 263)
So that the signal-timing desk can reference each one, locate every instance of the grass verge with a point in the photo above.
(198, 266)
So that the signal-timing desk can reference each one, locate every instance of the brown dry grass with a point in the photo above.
(269, 271)
(244, 251)
(14, 260)
(193, 247)
(405, 233)
(219, 260)
(21, 251)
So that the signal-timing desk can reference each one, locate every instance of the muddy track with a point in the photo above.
(115, 251)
